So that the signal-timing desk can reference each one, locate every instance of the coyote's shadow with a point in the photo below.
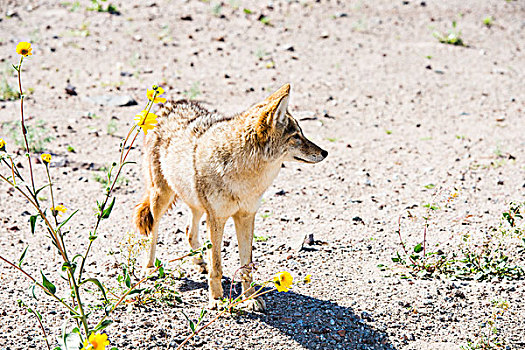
(320, 324)
(314, 323)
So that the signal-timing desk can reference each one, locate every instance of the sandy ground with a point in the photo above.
(396, 110)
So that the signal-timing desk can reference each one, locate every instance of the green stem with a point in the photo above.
(24, 130)
(84, 259)
(122, 160)
(83, 317)
(41, 327)
(13, 168)
(48, 224)
(53, 211)
(39, 285)
(136, 285)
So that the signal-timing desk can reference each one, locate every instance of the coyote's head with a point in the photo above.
(279, 134)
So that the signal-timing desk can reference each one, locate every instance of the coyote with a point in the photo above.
(218, 165)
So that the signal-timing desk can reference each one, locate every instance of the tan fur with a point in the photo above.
(219, 166)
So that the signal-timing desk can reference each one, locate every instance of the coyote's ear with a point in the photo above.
(277, 95)
(271, 112)
(277, 104)
(278, 116)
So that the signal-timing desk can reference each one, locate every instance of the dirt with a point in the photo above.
(396, 109)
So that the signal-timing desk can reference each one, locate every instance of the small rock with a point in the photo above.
(59, 162)
(112, 100)
(357, 220)
(71, 90)
(309, 240)
(11, 13)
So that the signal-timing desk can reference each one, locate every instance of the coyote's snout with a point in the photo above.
(219, 166)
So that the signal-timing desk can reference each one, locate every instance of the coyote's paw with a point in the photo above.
(200, 265)
(215, 304)
(148, 271)
(257, 305)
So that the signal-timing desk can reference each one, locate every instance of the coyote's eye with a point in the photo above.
(296, 136)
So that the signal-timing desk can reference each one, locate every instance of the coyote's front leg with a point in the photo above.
(215, 231)
(244, 223)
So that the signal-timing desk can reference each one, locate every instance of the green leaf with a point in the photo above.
(203, 313)
(136, 291)
(66, 266)
(103, 325)
(48, 285)
(418, 248)
(37, 314)
(77, 256)
(192, 325)
(157, 262)
(98, 284)
(107, 211)
(247, 11)
(127, 280)
(33, 291)
(40, 189)
(22, 257)
(65, 221)
(32, 221)
(70, 341)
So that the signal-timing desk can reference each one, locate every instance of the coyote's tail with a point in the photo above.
(143, 218)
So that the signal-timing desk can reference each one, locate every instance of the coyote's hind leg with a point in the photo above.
(160, 201)
(193, 237)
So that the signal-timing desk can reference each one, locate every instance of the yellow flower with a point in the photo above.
(23, 48)
(46, 158)
(58, 209)
(308, 279)
(158, 99)
(96, 342)
(2, 145)
(146, 122)
(283, 281)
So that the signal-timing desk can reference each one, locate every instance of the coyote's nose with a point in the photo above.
(324, 153)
